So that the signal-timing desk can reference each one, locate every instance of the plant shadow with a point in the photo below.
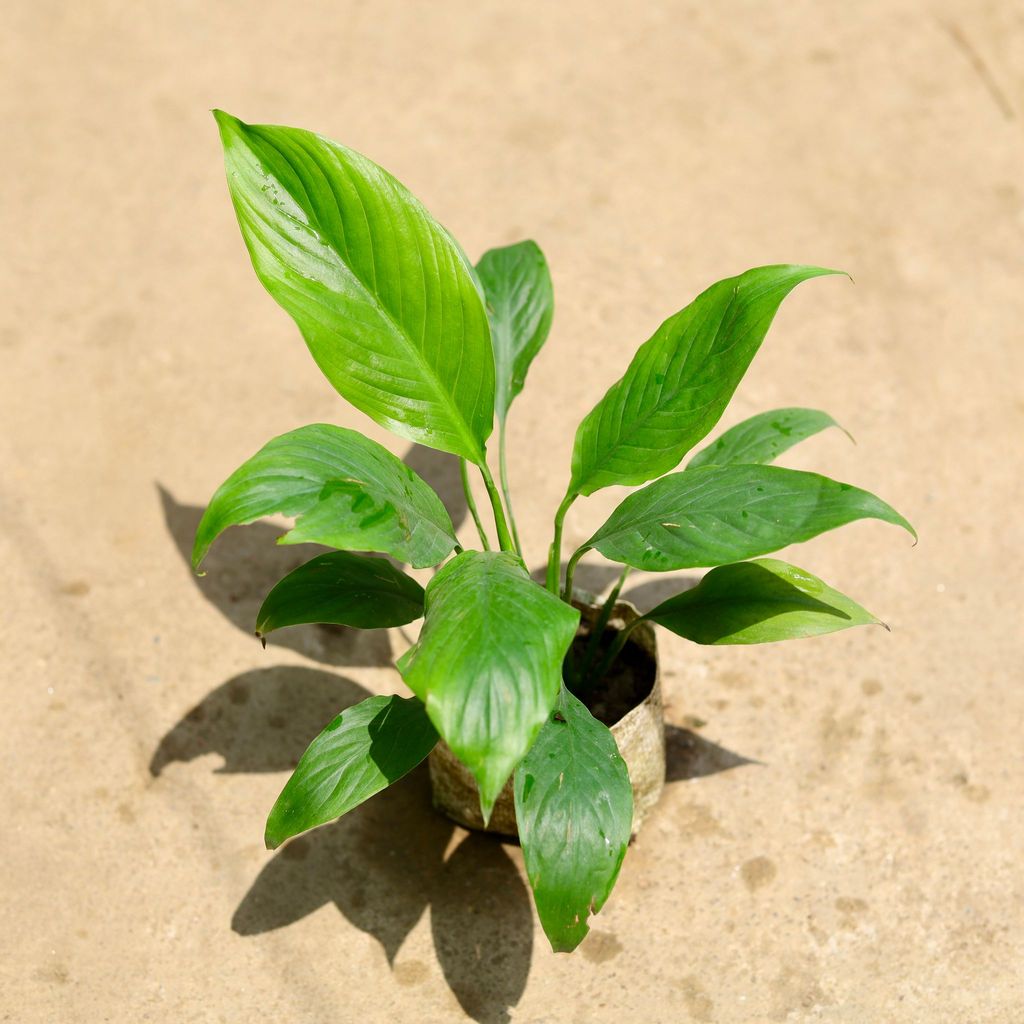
(244, 565)
(259, 721)
(241, 569)
(441, 471)
(651, 593)
(384, 863)
(391, 859)
(690, 756)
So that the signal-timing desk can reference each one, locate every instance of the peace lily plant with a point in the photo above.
(435, 349)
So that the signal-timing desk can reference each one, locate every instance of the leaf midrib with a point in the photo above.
(455, 414)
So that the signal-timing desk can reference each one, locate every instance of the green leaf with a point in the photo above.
(488, 663)
(574, 808)
(344, 589)
(758, 603)
(719, 514)
(364, 750)
(521, 304)
(763, 438)
(348, 491)
(382, 294)
(680, 381)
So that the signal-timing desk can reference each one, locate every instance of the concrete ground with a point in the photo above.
(841, 839)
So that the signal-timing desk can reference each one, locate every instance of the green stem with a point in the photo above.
(615, 649)
(555, 554)
(597, 632)
(471, 504)
(505, 541)
(503, 475)
(570, 571)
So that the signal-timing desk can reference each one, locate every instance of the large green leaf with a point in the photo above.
(574, 808)
(680, 381)
(762, 438)
(348, 491)
(364, 750)
(757, 603)
(344, 589)
(488, 663)
(521, 304)
(719, 514)
(381, 292)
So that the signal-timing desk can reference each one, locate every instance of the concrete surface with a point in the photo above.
(842, 837)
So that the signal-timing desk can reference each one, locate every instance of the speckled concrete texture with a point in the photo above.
(841, 837)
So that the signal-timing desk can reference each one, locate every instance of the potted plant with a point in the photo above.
(515, 684)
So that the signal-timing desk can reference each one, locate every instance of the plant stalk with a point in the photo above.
(616, 649)
(597, 632)
(555, 554)
(570, 571)
(505, 490)
(505, 541)
(471, 504)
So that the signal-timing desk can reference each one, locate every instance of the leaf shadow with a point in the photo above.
(382, 866)
(441, 471)
(650, 593)
(690, 756)
(242, 568)
(259, 721)
(384, 863)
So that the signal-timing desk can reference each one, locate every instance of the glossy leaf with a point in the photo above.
(719, 514)
(520, 304)
(348, 491)
(680, 381)
(574, 808)
(382, 294)
(364, 750)
(758, 603)
(344, 589)
(488, 663)
(763, 438)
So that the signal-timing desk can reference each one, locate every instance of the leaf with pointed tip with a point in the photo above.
(520, 303)
(343, 589)
(680, 381)
(488, 662)
(363, 750)
(382, 294)
(763, 438)
(348, 492)
(759, 602)
(574, 808)
(719, 514)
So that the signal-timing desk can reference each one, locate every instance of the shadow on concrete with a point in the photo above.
(690, 756)
(241, 569)
(384, 863)
(382, 866)
(259, 721)
(246, 562)
(441, 471)
(651, 593)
